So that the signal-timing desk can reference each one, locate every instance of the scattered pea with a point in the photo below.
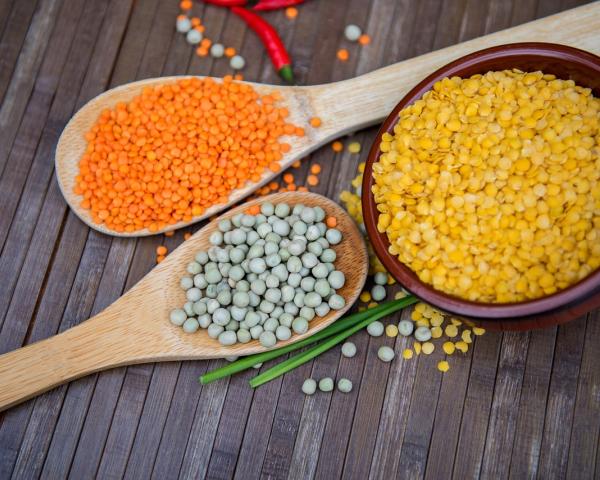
(422, 334)
(378, 293)
(380, 278)
(348, 349)
(385, 353)
(237, 62)
(352, 33)
(309, 387)
(344, 385)
(375, 329)
(326, 384)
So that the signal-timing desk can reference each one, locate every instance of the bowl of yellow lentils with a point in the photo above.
(482, 188)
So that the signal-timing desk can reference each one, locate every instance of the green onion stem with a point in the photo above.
(304, 357)
(338, 326)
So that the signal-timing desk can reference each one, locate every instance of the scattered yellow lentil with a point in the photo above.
(437, 319)
(451, 331)
(466, 336)
(399, 295)
(436, 332)
(417, 347)
(443, 366)
(372, 304)
(449, 348)
(489, 186)
(456, 322)
(416, 315)
(354, 147)
(407, 354)
(365, 297)
(462, 346)
(478, 330)
(391, 330)
(427, 348)
(422, 322)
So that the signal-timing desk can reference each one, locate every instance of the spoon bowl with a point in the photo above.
(343, 107)
(136, 328)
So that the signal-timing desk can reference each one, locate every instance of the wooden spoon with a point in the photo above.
(136, 328)
(342, 106)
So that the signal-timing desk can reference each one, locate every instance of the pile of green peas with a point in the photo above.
(265, 277)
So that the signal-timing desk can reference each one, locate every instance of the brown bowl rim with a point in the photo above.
(405, 276)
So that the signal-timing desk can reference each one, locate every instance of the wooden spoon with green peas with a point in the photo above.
(343, 107)
(136, 328)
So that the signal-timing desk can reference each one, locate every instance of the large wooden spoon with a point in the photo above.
(136, 328)
(343, 106)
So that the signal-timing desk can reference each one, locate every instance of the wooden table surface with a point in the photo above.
(518, 405)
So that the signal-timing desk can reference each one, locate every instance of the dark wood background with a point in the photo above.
(519, 405)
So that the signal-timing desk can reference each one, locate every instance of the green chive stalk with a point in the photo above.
(336, 327)
(297, 360)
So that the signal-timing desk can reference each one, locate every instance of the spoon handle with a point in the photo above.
(94, 345)
(349, 105)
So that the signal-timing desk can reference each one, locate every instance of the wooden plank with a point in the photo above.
(5, 7)
(554, 452)
(583, 446)
(532, 409)
(477, 406)
(24, 75)
(17, 25)
(187, 441)
(505, 405)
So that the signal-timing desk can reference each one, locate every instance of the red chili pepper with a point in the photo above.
(271, 40)
(275, 4)
(256, 4)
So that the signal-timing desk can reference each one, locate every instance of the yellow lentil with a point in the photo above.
(417, 347)
(365, 297)
(436, 332)
(462, 346)
(372, 304)
(427, 348)
(407, 354)
(449, 348)
(354, 147)
(391, 330)
(399, 295)
(451, 331)
(489, 186)
(478, 330)
(443, 366)
(466, 336)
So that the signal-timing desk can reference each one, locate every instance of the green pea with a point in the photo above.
(307, 312)
(273, 295)
(266, 306)
(190, 325)
(326, 384)
(178, 317)
(312, 233)
(375, 329)
(267, 339)
(333, 236)
(336, 302)
(294, 265)
(320, 271)
(248, 220)
(214, 330)
(312, 299)
(344, 385)
(309, 386)
(186, 283)
(199, 308)
(284, 254)
(296, 248)
(294, 279)
(423, 334)
(224, 225)
(308, 215)
(273, 260)
(378, 293)
(236, 255)
(204, 320)
(406, 327)
(385, 354)
(300, 325)
(319, 214)
(315, 247)
(194, 268)
(241, 299)
(193, 294)
(309, 260)
(232, 326)
(243, 335)
(267, 209)
(322, 287)
(256, 331)
(336, 279)
(323, 309)
(282, 210)
(299, 227)
(286, 319)
(200, 281)
(307, 284)
(201, 258)
(283, 333)
(328, 255)
(227, 338)
(270, 325)
(237, 219)
(216, 238)
(224, 297)
(280, 271)
(213, 276)
(348, 349)
(380, 278)
(238, 236)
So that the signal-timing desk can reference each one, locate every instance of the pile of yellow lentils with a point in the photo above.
(489, 187)
(450, 332)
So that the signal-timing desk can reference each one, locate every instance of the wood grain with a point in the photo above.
(135, 329)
